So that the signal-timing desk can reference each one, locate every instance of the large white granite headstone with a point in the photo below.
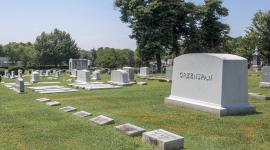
(215, 83)
(12, 76)
(83, 76)
(119, 77)
(144, 71)
(35, 77)
(96, 75)
(19, 85)
(130, 71)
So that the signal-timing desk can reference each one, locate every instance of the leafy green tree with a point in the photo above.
(55, 47)
(213, 31)
(1, 51)
(259, 34)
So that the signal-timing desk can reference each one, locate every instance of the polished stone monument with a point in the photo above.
(119, 77)
(215, 83)
(144, 72)
(78, 64)
(35, 77)
(83, 76)
(130, 72)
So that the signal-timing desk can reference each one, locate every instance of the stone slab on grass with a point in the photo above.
(43, 99)
(53, 103)
(163, 140)
(102, 120)
(130, 130)
(82, 114)
(67, 109)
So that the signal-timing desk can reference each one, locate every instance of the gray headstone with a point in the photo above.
(35, 77)
(130, 72)
(67, 109)
(130, 129)
(266, 74)
(163, 140)
(53, 103)
(19, 85)
(119, 77)
(215, 83)
(169, 71)
(96, 75)
(102, 120)
(82, 114)
(12, 76)
(77, 64)
(144, 71)
(83, 76)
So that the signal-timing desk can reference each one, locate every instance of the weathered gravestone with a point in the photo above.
(67, 109)
(215, 83)
(83, 76)
(6, 74)
(19, 87)
(35, 77)
(43, 99)
(96, 75)
(163, 140)
(20, 72)
(169, 71)
(130, 72)
(265, 82)
(53, 103)
(82, 114)
(102, 120)
(256, 61)
(12, 76)
(77, 64)
(144, 72)
(119, 77)
(48, 73)
(130, 130)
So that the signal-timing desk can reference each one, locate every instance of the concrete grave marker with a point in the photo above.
(130, 72)
(77, 64)
(53, 103)
(265, 81)
(163, 140)
(83, 76)
(169, 71)
(96, 75)
(130, 129)
(19, 87)
(215, 83)
(12, 76)
(43, 99)
(35, 77)
(120, 77)
(67, 109)
(144, 72)
(102, 120)
(82, 114)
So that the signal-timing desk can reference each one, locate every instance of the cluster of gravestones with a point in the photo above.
(12, 75)
(159, 138)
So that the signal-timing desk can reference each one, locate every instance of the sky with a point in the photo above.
(95, 23)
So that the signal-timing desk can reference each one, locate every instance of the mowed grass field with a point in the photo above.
(26, 124)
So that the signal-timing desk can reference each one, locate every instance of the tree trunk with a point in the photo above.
(158, 58)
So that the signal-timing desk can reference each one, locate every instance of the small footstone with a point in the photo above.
(102, 120)
(54, 103)
(130, 129)
(43, 99)
(163, 140)
(67, 109)
(142, 83)
(82, 114)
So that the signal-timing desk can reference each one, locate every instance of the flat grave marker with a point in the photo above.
(67, 109)
(102, 120)
(53, 103)
(43, 99)
(130, 130)
(82, 114)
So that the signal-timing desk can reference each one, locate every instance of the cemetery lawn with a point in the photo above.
(28, 124)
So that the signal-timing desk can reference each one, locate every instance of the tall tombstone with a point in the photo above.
(215, 83)
(83, 76)
(256, 61)
(265, 81)
(35, 77)
(119, 77)
(48, 73)
(78, 64)
(57, 74)
(12, 76)
(130, 72)
(96, 75)
(19, 86)
(169, 71)
(19, 73)
(144, 71)
(6, 74)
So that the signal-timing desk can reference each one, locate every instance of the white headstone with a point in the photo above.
(215, 83)
(144, 71)
(35, 77)
(12, 76)
(163, 140)
(83, 76)
(6, 74)
(169, 71)
(119, 77)
(48, 72)
(96, 75)
(130, 72)
(19, 85)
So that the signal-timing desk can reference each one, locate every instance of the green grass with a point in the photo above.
(28, 124)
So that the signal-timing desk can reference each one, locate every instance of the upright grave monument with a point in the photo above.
(96, 75)
(77, 64)
(215, 83)
(130, 71)
(120, 77)
(144, 72)
(83, 76)
(19, 87)
(12, 76)
(265, 81)
(256, 61)
(169, 71)
(35, 77)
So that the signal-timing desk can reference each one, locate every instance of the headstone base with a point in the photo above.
(264, 85)
(208, 107)
(121, 84)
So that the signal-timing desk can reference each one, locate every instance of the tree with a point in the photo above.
(259, 34)
(1, 51)
(157, 25)
(55, 47)
(213, 32)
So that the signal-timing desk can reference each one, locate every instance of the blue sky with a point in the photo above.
(94, 23)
